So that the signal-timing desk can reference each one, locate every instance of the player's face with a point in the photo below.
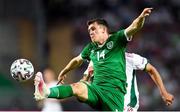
(96, 32)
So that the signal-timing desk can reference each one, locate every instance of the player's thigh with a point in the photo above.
(93, 99)
(80, 90)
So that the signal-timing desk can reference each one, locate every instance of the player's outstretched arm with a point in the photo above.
(74, 63)
(152, 71)
(138, 23)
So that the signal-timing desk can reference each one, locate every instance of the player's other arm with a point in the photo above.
(88, 73)
(138, 23)
(85, 75)
(74, 63)
(152, 71)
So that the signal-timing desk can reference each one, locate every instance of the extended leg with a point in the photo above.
(78, 89)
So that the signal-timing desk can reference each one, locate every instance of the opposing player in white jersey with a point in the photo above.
(136, 62)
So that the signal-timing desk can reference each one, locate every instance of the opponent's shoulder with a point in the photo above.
(129, 56)
(135, 58)
(138, 61)
(138, 57)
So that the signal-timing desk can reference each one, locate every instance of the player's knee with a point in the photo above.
(79, 88)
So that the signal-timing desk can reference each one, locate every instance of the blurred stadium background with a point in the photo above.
(51, 32)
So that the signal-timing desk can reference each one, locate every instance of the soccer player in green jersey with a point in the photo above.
(107, 52)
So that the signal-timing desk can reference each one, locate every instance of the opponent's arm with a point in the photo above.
(167, 97)
(138, 23)
(74, 63)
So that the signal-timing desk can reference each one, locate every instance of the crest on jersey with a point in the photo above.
(110, 45)
(92, 51)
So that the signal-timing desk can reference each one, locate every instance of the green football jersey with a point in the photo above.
(108, 61)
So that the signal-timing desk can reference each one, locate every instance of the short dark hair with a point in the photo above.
(100, 21)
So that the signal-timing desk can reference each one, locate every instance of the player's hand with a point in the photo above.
(61, 78)
(168, 98)
(146, 12)
(90, 71)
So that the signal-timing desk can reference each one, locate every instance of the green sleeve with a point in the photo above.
(85, 54)
(121, 38)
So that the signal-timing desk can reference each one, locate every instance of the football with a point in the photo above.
(22, 70)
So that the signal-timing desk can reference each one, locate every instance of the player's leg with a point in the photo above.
(80, 90)
(41, 91)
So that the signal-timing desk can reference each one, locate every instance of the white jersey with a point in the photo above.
(133, 62)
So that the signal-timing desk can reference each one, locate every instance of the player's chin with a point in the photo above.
(93, 40)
